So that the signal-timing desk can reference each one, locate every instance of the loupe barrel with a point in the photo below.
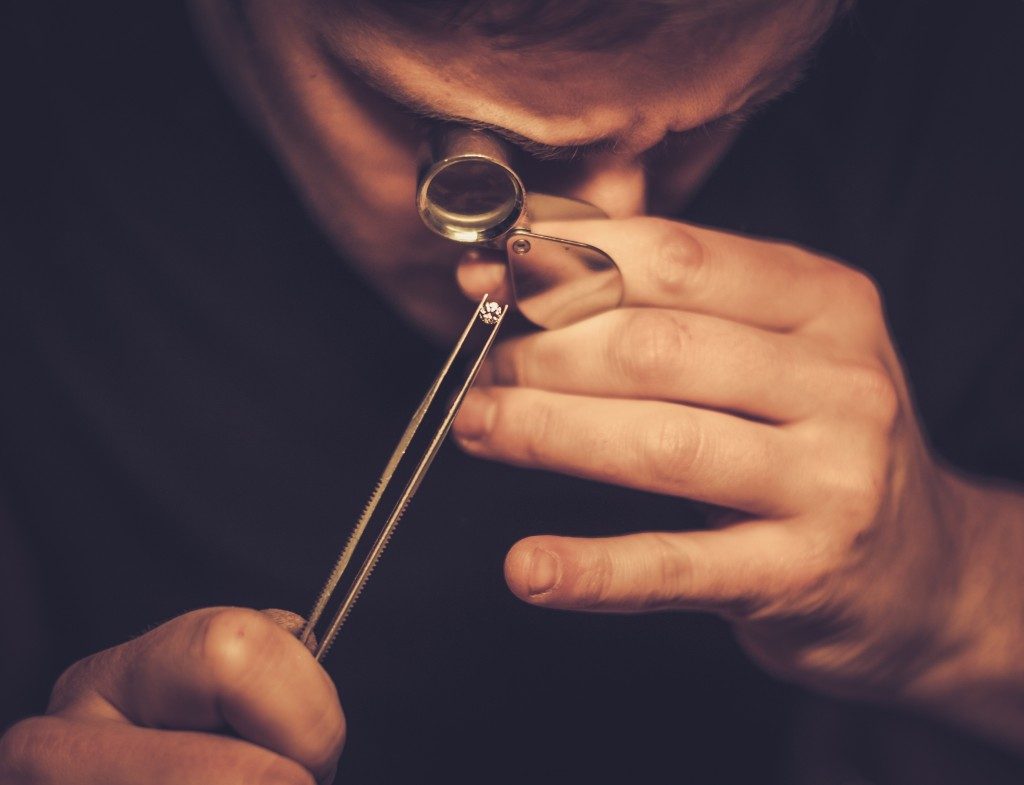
(470, 192)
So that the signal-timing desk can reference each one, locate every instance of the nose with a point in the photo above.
(615, 184)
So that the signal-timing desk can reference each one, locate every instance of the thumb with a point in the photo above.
(733, 571)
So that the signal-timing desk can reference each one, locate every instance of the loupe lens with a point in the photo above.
(471, 199)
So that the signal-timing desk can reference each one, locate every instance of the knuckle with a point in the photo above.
(68, 685)
(652, 574)
(673, 448)
(231, 641)
(83, 679)
(594, 580)
(540, 429)
(865, 291)
(25, 747)
(857, 290)
(875, 393)
(649, 344)
(677, 261)
(673, 571)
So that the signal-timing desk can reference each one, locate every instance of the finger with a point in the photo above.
(662, 354)
(213, 668)
(673, 265)
(58, 751)
(292, 622)
(649, 445)
(740, 570)
(480, 272)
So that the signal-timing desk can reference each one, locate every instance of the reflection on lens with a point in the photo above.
(471, 199)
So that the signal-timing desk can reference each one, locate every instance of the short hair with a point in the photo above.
(580, 25)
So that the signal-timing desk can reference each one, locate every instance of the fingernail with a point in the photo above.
(545, 571)
(474, 420)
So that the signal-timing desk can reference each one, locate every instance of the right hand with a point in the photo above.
(156, 709)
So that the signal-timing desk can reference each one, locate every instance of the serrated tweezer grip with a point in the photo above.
(490, 314)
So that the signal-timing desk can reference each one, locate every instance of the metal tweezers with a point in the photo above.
(490, 314)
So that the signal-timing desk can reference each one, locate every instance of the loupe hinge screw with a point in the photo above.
(521, 246)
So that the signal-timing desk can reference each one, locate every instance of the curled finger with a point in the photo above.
(213, 669)
(61, 751)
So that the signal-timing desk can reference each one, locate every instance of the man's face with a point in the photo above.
(347, 104)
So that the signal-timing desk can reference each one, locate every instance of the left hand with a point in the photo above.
(760, 378)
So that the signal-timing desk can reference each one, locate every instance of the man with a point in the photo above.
(194, 386)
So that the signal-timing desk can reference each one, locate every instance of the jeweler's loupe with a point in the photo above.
(470, 193)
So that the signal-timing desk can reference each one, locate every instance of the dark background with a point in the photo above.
(196, 396)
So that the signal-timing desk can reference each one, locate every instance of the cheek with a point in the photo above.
(358, 175)
(352, 154)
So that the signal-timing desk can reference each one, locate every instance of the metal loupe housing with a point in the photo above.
(471, 193)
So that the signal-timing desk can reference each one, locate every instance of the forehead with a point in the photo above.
(676, 78)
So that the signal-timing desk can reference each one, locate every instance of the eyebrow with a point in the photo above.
(778, 84)
(539, 150)
(418, 109)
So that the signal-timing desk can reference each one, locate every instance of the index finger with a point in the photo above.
(668, 264)
(217, 668)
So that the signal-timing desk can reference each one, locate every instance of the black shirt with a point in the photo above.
(198, 394)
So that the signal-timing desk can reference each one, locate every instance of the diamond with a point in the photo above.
(490, 312)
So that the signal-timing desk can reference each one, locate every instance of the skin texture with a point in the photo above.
(754, 376)
(301, 73)
(760, 378)
(157, 710)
